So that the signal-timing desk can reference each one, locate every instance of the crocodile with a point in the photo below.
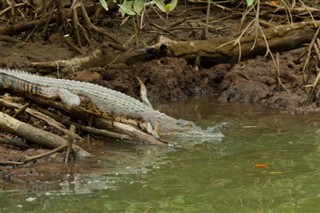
(107, 100)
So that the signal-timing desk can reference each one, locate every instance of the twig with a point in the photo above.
(207, 19)
(70, 142)
(309, 51)
(11, 163)
(93, 27)
(21, 110)
(309, 10)
(12, 6)
(288, 12)
(75, 21)
(313, 86)
(88, 129)
(26, 159)
(276, 62)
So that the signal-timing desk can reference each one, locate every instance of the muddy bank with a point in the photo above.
(174, 79)
(166, 79)
(253, 81)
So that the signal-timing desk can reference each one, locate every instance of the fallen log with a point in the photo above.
(100, 57)
(36, 135)
(88, 129)
(50, 121)
(103, 120)
(133, 132)
(218, 50)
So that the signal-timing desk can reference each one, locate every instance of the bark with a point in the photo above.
(218, 50)
(36, 135)
(104, 121)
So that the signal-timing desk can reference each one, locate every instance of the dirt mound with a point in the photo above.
(166, 79)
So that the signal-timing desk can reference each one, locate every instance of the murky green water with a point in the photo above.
(213, 176)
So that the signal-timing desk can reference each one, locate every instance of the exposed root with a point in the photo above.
(37, 16)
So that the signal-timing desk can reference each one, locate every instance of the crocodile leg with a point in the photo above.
(143, 94)
(67, 97)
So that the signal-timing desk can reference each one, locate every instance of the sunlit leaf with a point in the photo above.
(250, 2)
(169, 7)
(104, 4)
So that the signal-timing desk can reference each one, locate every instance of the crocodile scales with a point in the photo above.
(107, 100)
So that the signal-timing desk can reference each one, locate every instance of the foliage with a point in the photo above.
(249, 2)
(104, 4)
(136, 7)
(167, 8)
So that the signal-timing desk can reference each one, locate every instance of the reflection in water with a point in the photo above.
(104, 171)
(209, 176)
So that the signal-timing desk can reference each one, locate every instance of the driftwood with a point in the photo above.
(131, 131)
(100, 57)
(278, 39)
(36, 135)
(103, 120)
(50, 121)
(88, 129)
(68, 146)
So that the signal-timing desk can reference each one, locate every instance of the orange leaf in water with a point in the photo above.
(260, 165)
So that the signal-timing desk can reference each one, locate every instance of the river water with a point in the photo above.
(267, 161)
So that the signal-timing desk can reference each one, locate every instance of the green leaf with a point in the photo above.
(126, 8)
(249, 2)
(166, 8)
(104, 4)
(160, 4)
(138, 6)
(169, 7)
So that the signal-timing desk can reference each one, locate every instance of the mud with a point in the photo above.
(166, 79)
(253, 81)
